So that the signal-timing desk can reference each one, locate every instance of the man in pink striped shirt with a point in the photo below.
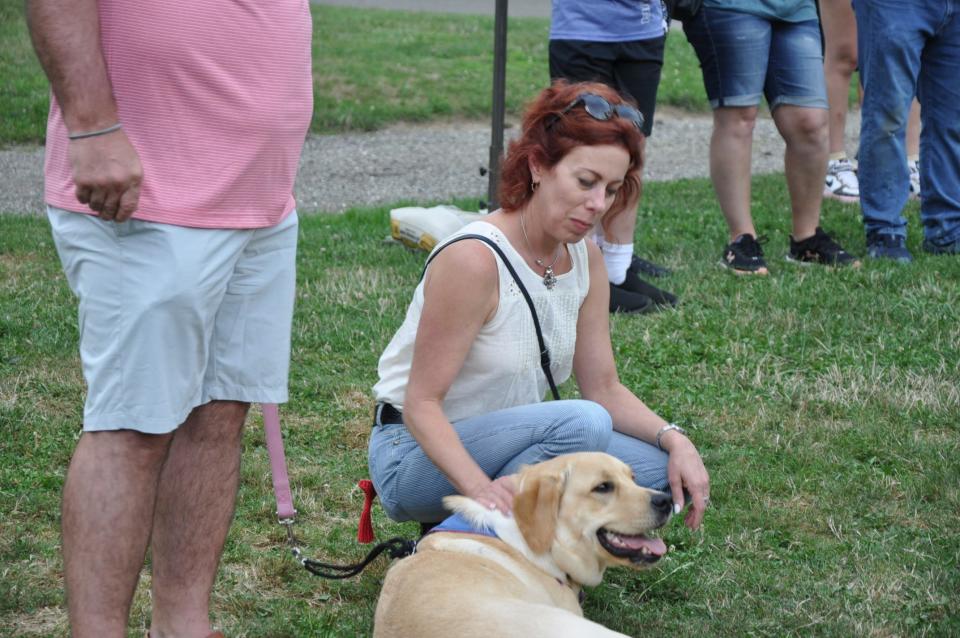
(173, 141)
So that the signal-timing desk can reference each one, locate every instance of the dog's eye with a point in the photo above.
(604, 487)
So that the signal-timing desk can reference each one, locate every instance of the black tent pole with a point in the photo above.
(499, 97)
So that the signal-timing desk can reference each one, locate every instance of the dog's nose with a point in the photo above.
(661, 502)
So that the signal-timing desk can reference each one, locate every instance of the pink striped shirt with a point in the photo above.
(216, 96)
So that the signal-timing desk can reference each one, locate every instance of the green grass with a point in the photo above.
(825, 404)
(24, 93)
(372, 68)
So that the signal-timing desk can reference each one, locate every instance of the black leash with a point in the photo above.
(396, 547)
(286, 514)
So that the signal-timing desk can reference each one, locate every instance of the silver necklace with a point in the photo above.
(549, 279)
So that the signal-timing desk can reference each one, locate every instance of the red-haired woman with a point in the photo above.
(460, 393)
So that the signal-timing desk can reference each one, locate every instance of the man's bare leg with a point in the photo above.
(195, 503)
(805, 131)
(108, 502)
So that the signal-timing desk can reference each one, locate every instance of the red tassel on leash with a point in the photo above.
(365, 529)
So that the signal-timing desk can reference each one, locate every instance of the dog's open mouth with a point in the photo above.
(637, 548)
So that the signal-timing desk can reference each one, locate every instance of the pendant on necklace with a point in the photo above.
(549, 279)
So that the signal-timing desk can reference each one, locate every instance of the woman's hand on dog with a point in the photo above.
(497, 495)
(685, 470)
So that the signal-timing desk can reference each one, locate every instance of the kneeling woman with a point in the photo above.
(460, 396)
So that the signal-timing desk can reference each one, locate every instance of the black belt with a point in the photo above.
(388, 415)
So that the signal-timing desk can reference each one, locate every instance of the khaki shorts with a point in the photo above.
(174, 317)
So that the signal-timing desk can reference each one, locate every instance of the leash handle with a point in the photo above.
(395, 547)
(278, 463)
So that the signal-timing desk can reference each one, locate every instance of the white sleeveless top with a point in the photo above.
(502, 368)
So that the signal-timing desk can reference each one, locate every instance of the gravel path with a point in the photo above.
(425, 163)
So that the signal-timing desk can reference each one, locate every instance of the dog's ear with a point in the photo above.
(536, 509)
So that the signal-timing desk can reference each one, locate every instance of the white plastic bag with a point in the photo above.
(424, 228)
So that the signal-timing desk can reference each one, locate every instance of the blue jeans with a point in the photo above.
(908, 48)
(742, 55)
(412, 488)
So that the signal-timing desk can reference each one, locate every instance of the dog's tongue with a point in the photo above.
(655, 546)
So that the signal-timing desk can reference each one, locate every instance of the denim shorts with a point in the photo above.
(744, 56)
(174, 317)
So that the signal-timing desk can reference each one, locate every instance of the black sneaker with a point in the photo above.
(622, 300)
(888, 246)
(820, 249)
(648, 268)
(953, 248)
(744, 256)
(633, 283)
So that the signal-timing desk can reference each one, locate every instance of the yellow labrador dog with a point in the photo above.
(573, 517)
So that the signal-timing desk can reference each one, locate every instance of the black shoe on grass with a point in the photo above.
(820, 249)
(648, 268)
(887, 246)
(952, 248)
(744, 256)
(625, 301)
(633, 283)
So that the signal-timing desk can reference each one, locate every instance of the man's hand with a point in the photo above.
(106, 168)
(107, 172)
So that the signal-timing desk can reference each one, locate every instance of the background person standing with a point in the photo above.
(619, 43)
(908, 49)
(749, 50)
(839, 27)
(173, 141)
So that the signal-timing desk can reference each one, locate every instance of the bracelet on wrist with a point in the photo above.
(86, 134)
(667, 428)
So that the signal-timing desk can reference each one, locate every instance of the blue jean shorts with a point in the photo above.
(173, 317)
(744, 56)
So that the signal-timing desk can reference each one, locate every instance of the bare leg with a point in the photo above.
(621, 228)
(913, 130)
(839, 63)
(805, 163)
(618, 243)
(108, 502)
(731, 146)
(195, 501)
(912, 147)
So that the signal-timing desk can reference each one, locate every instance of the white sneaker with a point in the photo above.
(914, 179)
(841, 182)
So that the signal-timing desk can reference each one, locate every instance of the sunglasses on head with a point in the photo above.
(599, 108)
